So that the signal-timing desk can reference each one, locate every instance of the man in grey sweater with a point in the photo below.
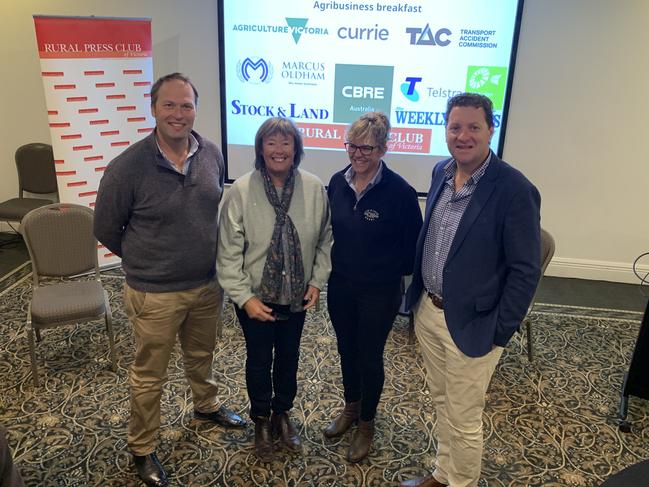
(157, 209)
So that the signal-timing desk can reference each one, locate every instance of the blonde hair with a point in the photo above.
(371, 125)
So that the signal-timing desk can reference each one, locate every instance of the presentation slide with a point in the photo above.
(325, 63)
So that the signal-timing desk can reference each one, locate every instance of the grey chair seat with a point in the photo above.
(61, 244)
(68, 301)
(16, 208)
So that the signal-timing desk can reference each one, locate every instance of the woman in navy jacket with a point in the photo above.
(376, 218)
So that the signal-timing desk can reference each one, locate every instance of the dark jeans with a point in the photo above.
(272, 355)
(362, 316)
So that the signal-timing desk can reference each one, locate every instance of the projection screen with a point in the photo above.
(325, 63)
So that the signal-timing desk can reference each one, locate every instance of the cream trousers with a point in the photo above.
(457, 385)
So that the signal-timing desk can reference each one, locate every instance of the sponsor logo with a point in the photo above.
(254, 70)
(290, 110)
(322, 135)
(375, 33)
(332, 136)
(437, 92)
(489, 81)
(296, 27)
(412, 140)
(303, 72)
(477, 38)
(426, 37)
(412, 117)
(299, 27)
(359, 89)
(373, 92)
(408, 88)
(371, 215)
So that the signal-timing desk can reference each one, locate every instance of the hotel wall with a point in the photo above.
(577, 117)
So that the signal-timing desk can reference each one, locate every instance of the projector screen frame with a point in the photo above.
(312, 153)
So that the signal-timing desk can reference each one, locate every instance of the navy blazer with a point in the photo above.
(494, 264)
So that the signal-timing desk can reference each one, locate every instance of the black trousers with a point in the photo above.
(272, 356)
(362, 316)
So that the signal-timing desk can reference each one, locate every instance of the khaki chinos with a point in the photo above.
(457, 384)
(157, 319)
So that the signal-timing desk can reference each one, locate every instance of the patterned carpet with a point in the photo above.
(550, 423)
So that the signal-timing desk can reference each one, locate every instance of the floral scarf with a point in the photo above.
(272, 277)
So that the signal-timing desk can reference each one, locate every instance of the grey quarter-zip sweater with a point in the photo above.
(163, 224)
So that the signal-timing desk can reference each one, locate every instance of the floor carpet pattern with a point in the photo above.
(547, 423)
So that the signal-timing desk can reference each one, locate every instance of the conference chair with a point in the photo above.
(61, 244)
(547, 251)
(36, 175)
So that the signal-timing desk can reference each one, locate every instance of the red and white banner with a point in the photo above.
(97, 75)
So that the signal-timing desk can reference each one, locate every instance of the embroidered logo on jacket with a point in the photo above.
(371, 215)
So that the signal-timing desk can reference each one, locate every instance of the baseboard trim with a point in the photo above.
(597, 270)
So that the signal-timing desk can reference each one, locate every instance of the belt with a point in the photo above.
(437, 301)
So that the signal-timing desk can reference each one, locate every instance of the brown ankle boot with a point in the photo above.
(361, 441)
(284, 428)
(263, 439)
(344, 420)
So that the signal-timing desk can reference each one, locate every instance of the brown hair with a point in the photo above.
(180, 77)
(278, 125)
(472, 100)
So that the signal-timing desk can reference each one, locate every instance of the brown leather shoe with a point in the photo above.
(361, 441)
(428, 481)
(263, 439)
(287, 434)
(344, 420)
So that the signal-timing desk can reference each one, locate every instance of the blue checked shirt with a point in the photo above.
(443, 224)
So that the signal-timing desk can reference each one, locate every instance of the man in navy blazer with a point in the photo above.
(476, 269)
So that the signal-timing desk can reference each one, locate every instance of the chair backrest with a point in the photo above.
(60, 240)
(547, 249)
(36, 172)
